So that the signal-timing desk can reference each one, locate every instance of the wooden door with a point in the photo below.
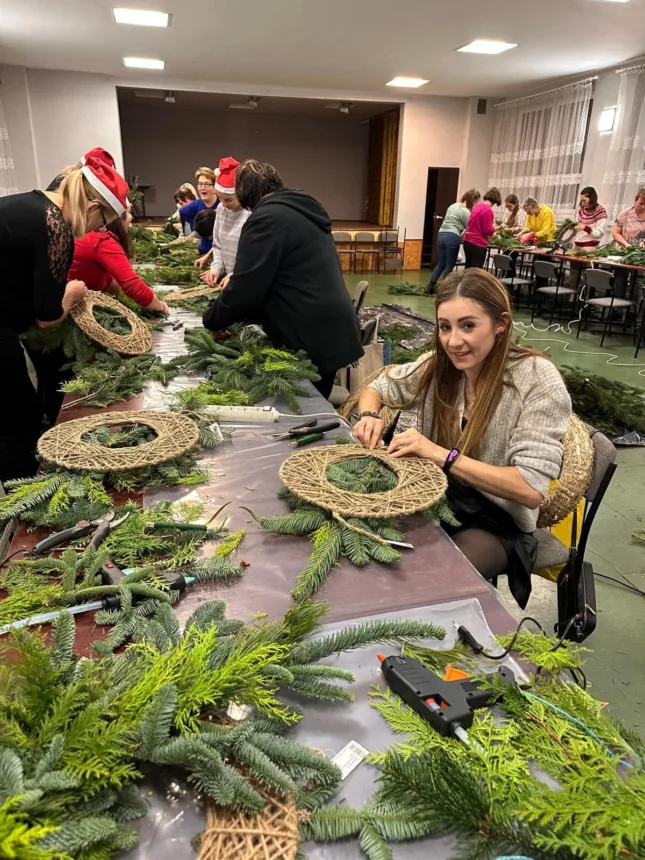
(441, 191)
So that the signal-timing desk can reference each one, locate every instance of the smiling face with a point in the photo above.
(467, 332)
(639, 205)
(205, 187)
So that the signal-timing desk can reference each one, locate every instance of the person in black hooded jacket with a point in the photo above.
(287, 276)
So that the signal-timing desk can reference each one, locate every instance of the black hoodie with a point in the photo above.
(288, 279)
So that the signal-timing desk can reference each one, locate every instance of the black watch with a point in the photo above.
(369, 414)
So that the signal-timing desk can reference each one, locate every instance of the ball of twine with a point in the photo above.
(348, 408)
(64, 444)
(419, 483)
(194, 293)
(136, 343)
(575, 476)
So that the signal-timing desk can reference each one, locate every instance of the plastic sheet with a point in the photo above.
(176, 815)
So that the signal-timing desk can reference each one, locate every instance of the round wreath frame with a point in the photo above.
(575, 475)
(137, 342)
(193, 293)
(420, 483)
(64, 445)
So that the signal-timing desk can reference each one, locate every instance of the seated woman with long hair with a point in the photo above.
(491, 414)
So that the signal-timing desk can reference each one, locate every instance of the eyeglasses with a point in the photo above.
(204, 184)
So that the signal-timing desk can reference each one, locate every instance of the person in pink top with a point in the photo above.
(481, 227)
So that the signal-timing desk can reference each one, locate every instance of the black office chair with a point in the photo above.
(553, 288)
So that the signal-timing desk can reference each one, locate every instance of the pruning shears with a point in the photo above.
(100, 528)
(311, 431)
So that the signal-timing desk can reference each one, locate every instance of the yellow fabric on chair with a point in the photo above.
(563, 531)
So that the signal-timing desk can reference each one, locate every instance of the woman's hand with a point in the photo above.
(75, 291)
(369, 431)
(201, 262)
(210, 278)
(411, 443)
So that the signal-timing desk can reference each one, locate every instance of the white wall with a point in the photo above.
(54, 117)
(433, 135)
(478, 146)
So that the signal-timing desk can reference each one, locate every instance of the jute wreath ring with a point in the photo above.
(64, 444)
(420, 483)
(136, 343)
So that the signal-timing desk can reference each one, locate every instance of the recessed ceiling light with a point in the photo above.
(143, 63)
(413, 83)
(487, 46)
(141, 17)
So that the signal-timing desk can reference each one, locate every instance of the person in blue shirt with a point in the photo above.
(208, 199)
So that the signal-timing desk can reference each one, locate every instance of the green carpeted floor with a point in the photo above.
(614, 669)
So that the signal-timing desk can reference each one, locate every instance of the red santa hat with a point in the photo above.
(225, 173)
(110, 185)
(101, 155)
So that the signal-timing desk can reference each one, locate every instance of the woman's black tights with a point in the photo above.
(483, 550)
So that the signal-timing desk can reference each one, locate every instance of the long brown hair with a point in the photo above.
(121, 233)
(444, 378)
(515, 203)
(470, 197)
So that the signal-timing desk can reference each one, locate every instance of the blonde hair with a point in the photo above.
(206, 171)
(445, 430)
(77, 192)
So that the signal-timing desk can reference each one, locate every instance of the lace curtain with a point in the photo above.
(625, 170)
(7, 175)
(538, 147)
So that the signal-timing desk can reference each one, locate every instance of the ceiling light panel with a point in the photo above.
(143, 63)
(487, 46)
(412, 83)
(141, 17)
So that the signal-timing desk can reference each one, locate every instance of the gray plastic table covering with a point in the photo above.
(176, 814)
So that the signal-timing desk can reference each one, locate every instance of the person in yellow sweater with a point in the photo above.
(540, 221)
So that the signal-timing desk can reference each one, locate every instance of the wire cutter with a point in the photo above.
(311, 431)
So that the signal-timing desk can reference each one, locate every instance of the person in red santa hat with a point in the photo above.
(98, 153)
(229, 220)
(37, 231)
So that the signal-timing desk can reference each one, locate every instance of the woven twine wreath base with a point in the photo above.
(136, 343)
(420, 483)
(194, 293)
(271, 834)
(64, 445)
(348, 408)
(575, 477)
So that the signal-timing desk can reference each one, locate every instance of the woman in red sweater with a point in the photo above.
(481, 227)
(101, 260)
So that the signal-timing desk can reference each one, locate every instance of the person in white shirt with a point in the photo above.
(229, 220)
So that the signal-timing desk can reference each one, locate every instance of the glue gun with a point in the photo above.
(447, 705)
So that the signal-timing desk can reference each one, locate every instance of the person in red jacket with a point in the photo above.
(102, 261)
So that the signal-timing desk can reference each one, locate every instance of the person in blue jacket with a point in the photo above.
(207, 199)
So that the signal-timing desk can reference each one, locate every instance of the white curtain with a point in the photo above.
(625, 170)
(538, 147)
(7, 175)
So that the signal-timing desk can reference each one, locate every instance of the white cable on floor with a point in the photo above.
(566, 329)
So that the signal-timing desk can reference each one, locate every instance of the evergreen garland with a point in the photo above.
(174, 272)
(75, 731)
(364, 541)
(111, 379)
(610, 406)
(487, 794)
(407, 288)
(246, 363)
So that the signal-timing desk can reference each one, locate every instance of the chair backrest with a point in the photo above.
(393, 263)
(364, 236)
(359, 294)
(604, 466)
(502, 263)
(542, 269)
(599, 279)
(342, 236)
(367, 332)
(388, 236)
